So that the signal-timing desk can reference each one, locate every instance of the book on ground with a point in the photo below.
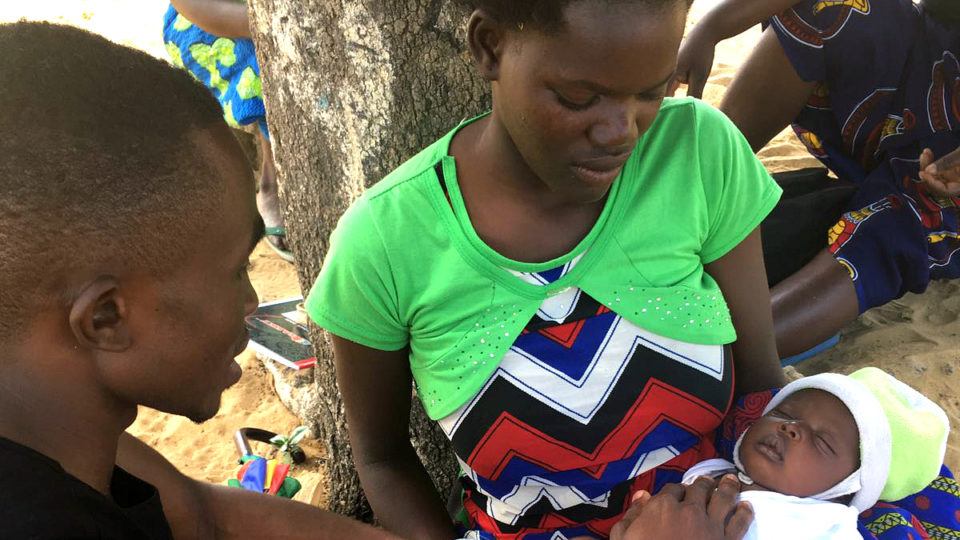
(278, 330)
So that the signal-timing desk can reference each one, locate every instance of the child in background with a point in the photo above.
(211, 40)
(829, 447)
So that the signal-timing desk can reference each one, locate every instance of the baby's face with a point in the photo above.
(804, 446)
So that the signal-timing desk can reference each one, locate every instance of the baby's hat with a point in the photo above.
(903, 435)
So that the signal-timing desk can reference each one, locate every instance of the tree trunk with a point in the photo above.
(353, 88)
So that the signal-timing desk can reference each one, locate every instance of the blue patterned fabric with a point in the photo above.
(888, 86)
(227, 66)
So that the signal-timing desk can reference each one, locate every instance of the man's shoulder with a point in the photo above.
(39, 500)
(19, 464)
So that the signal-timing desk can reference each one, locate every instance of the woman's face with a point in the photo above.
(575, 101)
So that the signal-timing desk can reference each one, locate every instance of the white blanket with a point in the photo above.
(784, 517)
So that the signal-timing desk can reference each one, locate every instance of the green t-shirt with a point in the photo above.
(406, 268)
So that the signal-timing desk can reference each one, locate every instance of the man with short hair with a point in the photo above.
(127, 216)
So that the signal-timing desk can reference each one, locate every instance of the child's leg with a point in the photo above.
(893, 239)
(764, 98)
(268, 199)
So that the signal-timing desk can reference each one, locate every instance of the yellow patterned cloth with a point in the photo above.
(228, 66)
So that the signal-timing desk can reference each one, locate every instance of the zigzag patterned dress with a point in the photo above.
(585, 409)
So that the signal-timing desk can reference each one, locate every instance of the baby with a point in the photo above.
(829, 447)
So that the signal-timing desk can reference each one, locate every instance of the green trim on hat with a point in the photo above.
(918, 429)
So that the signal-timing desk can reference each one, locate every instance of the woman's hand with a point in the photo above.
(942, 177)
(706, 510)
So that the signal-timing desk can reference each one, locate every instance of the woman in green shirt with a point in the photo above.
(572, 281)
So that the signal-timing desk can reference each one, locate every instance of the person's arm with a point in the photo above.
(376, 389)
(743, 280)
(224, 18)
(197, 509)
(727, 19)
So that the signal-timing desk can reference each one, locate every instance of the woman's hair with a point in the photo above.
(945, 11)
(546, 14)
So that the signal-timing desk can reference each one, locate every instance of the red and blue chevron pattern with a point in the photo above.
(583, 410)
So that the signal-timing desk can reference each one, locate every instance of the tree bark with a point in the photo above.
(352, 89)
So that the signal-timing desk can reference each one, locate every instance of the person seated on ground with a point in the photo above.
(211, 40)
(827, 448)
(556, 276)
(551, 275)
(868, 87)
(126, 223)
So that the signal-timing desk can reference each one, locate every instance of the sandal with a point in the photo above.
(279, 232)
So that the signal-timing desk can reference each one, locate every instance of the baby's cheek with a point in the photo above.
(813, 474)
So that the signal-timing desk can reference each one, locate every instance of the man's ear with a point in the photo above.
(99, 317)
(485, 38)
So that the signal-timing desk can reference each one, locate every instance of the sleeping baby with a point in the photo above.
(830, 446)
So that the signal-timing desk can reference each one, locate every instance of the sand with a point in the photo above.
(916, 338)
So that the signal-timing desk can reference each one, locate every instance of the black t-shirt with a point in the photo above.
(39, 500)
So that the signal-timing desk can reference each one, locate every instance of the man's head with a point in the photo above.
(126, 220)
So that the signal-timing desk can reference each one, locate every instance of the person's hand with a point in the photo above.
(942, 177)
(694, 62)
(706, 510)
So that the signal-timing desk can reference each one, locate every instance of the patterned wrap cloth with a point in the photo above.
(888, 80)
(227, 66)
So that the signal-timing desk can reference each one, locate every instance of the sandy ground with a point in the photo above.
(917, 338)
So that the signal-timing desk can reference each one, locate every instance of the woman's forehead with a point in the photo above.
(632, 50)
